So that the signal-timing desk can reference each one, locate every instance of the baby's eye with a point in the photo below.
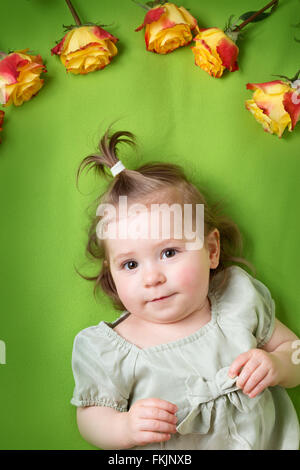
(170, 252)
(129, 265)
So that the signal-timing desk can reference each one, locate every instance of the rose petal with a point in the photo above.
(9, 67)
(265, 107)
(273, 87)
(188, 17)
(151, 16)
(171, 38)
(103, 34)
(291, 103)
(58, 48)
(228, 52)
(166, 23)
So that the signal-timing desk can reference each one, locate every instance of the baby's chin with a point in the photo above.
(159, 316)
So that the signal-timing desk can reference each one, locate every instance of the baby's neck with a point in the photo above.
(146, 334)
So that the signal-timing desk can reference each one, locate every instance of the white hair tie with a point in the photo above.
(117, 168)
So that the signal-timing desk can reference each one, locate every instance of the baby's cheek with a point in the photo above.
(189, 278)
(124, 293)
(123, 288)
(128, 294)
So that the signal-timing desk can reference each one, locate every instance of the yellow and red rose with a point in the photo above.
(275, 105)
(20, 77)
(1, 121)
(215, 51)
(85, 49)
(167, 27)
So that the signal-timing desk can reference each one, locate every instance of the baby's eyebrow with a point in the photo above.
(123, 255)
(173, 241)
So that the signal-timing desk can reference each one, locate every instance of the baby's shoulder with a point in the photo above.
(245, 302)
(100, 346)
(236, 284)
(90, 334)
(106, 338)
(95, 340)
(241, 295)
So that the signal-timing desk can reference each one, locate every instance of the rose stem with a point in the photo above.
(72, 10)
(254, 15)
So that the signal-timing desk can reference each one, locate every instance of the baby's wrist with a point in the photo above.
(124, 431)
(280, 357)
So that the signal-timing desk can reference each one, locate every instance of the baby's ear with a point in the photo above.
(105, 263)
(213, 246)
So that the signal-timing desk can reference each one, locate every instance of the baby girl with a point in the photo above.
(197, 359)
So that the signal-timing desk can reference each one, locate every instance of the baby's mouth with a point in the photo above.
(162, 298)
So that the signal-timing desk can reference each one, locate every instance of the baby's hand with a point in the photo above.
(260, 370)
(150, 420)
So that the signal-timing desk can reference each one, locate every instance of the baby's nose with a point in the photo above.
(153, 276)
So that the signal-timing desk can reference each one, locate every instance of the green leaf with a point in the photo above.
(281, 76)
(260, 17)
(228, 25)
(247, 15)
(289, 79)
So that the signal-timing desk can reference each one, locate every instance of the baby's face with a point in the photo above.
(159, 280)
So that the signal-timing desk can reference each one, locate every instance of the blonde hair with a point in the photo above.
(147, 183)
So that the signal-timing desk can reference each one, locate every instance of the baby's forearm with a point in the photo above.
(103, 427)
(289, 358)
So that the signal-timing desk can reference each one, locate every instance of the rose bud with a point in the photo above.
(275, 105)
(85, 49)
(167, 28)
(20, 77)
(215, 51)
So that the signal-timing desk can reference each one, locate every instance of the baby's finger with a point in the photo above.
(149, 412)
(157, 426)
(148, 437)
(158, 403)
(247, 372)
(258, 375)
(238, 363)
(260, 387)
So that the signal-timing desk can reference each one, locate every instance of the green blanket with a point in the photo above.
(179, 114)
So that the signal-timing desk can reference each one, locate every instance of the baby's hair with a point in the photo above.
(151, 183)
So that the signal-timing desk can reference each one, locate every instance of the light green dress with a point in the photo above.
(192, 372)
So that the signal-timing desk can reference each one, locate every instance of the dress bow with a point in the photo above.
(202, 393)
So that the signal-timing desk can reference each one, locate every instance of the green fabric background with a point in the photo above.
(180, 114)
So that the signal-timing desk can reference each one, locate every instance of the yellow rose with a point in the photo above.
(275, 105)
(20, 77)
(86, 49)
(214, 51)
(167, 28)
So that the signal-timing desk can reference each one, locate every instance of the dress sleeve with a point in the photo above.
(246, 303)
(264, 306)
(102, 372)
